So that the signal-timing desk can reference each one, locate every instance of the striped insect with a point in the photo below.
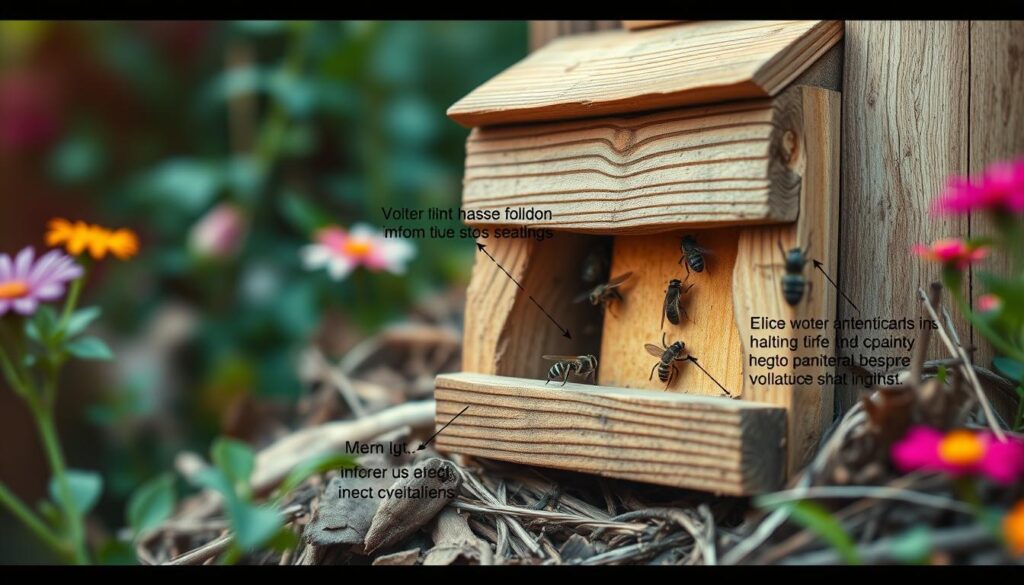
(667, 356)
(693, 255)
(793, 281)
(673, 305)
(584, 366)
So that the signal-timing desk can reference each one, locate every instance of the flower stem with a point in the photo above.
(73, 292)
(48, 433)
(33, 523)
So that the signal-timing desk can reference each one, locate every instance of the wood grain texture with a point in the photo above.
(544, 31)
(717, 445)
(614, 72)
(711, 334)
(904, 132)
(504, 332)
(694, 167)
(645, 24)
(996, 126)
(756, 280)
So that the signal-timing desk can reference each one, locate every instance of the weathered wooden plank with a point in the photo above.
(996, 124)
(695, 167)
(710, 334)
(904, 131)
(756, 280)
(718, 445)
(625, 71)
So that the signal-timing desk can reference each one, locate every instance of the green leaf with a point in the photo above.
(42, 326)
(79, 320)
(214, 479)
(79, 158)
(89, 348)
(814, 517)
(942, 374)
(116, 552)
(912, 546)
(151, 503)
(85, 488)
(313, 466)
(254, 525)
(235, 459)
(1010, 368)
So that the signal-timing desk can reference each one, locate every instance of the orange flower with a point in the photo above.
(99, 241)
(1013, 529)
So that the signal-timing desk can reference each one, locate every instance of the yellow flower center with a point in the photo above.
(13, 290)
(961, 448)
(358, 248)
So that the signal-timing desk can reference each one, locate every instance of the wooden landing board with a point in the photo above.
(712, 444)
(614, 72)
(694, 167)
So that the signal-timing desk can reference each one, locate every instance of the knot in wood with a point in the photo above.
(790, 147)
(623, 140)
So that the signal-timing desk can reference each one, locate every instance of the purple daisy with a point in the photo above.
(23, 284)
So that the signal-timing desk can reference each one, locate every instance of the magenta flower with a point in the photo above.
(999, 188)
(24, 283)
(951, 252)
(960, 452)
(341, 251)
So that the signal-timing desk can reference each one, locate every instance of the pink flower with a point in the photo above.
(23, 284)
(220, 233)
(951, 252)
(340, 251)
(989, 302)
(999, 188)
(960, 452)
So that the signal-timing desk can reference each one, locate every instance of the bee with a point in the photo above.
(794, 282)
(595, 267)
(674, 302)
(693, 255)
(583, 365)
(604, 293)
(667, 355)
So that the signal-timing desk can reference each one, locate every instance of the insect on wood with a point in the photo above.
(793, 281)
(667, 355)
(674, 302)
(583, 365)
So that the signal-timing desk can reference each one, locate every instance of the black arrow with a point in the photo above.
(817, 265)
(483, 248)
(424, 444)
(694, 360)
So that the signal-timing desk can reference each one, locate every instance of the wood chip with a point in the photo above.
(416, 500)
(345, 521)
(399, 559)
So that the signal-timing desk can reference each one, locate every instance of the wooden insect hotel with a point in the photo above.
(631, 139)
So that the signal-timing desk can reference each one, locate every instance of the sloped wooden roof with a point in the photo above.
(621, 71)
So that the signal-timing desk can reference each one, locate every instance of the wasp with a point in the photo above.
(583, 365)
(674, 302)
(604, 293)
(693, 255)
(667, 355)
(793, 281)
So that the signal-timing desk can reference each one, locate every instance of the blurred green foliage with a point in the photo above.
(298, 124)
